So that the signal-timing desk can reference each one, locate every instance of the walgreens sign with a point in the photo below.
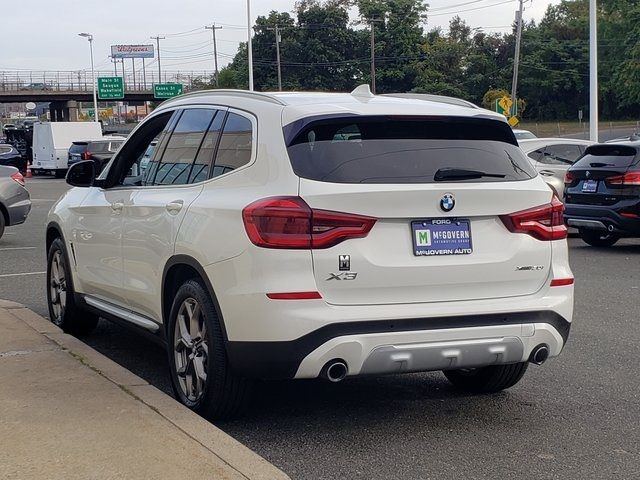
(132, 51)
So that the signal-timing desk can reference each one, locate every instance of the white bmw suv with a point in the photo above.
(304, 235)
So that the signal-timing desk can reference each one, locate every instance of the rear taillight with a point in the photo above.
(568, 178)
(86, 155)
(628, 179)
(288, 222)
(17, 177)
(544, 222)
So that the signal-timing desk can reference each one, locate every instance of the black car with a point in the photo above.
(11, 157)
(602, 193)
(100, 151)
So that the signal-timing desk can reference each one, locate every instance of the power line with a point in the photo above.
(471, 9)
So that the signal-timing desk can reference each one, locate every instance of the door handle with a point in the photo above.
(117, 207)
(174, 207)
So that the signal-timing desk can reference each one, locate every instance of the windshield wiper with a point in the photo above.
(448, 173)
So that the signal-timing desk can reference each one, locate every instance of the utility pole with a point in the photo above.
(157, 39)
(278, 59)
(213, 29)
(249, 46)
(593, 71)
(516, 61)
(373, 54)
(276, 29)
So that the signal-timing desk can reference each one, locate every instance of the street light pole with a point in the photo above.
(157, 39)
(593, 72)
(249, 47)
(93, 76)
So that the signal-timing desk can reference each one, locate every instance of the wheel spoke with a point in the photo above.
(184, 331)
(198, 365)
(182, 345)
(194, 319)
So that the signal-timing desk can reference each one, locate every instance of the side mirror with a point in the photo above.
(81, 174)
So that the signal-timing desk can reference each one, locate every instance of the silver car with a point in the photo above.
(15, 202)
(552, 157)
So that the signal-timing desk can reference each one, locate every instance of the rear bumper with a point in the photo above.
(405, 345)
(605, 218)
(18, 204)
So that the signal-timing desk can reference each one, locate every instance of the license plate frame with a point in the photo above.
(590, 186)
(438, 242)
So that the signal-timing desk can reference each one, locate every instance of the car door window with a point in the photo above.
(183, 146)
(126, 167)
(236, 143)
(204, 159)
(561, 155)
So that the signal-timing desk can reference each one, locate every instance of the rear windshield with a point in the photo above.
(78, 147)
(404, 150)
(618, 156)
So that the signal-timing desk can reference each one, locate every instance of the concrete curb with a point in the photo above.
(239, 457)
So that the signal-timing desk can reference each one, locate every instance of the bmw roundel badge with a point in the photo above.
(447, 202)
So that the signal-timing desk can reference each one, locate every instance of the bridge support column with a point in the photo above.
(72, 111)
(58, 112)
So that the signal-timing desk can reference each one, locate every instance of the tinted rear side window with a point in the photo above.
(405, 150)
(99, 147)
(617, 156)
(78, 147)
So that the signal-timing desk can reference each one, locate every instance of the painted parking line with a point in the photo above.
(6, 275)
(17, 248)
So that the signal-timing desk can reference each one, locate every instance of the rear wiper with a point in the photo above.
(462, 174)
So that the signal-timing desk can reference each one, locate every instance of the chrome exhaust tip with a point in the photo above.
(539, 355)
(334, 371)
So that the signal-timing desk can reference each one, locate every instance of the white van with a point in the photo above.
(51, 142)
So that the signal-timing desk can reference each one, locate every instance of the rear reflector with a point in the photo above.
(545, 222)
(17, 177)
(631, 179)
(294, 296)
(562, 282)
(288, 222)
(629, 215)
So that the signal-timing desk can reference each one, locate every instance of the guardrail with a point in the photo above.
(81, 81)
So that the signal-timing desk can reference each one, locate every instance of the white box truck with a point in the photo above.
(51, 142)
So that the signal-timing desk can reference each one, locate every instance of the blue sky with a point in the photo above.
(43, 36)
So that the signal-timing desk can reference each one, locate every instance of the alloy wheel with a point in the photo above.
(58, 286)
(191, 349)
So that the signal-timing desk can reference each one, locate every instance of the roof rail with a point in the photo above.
(228, 93)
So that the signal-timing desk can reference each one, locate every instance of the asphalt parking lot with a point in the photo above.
(575, 417)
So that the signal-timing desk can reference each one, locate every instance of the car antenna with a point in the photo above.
(362, 91)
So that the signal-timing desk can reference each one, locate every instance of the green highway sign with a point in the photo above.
(167, 90)
(110, 88)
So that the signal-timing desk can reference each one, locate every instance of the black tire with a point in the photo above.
(60, 173)
(63, 310)
(2, 224)
(222, 394)
(491, 379)
(596, 238)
